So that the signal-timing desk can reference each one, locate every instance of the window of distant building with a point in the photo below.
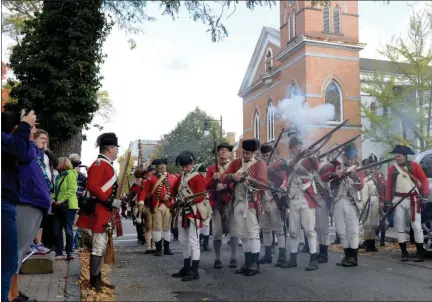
(326, 18)
(333, 96)
(270, 121)
(337, 20)
(256, 126)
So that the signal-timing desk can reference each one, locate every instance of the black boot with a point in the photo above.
(158, 248)
(370, 246)
(337, 240)
(383, 233)
(305, 249)
(245, 266)
(363, 244)
(193, 272)
(253, 268)
(404, 256)
(206, 245)
(217, 264)
(111, 286)
(282, 259)
(323, 254)
(345, 258)
(267, 258)
(352, 258)
(419, 257)
(95, 264)
(292, 262)
(313, 263)
(184, 270)
(167, 250)
(201, 239)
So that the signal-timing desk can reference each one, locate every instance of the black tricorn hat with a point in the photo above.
(266, 148)
(159, 161)
(185, 158)
(251, 145)
(107, 139)
(372, 158)
(224, 145)
(202, 168)
(400, 149)
(294, 142)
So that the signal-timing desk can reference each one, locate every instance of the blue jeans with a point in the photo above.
(75, 240)
(64, 221)
(390, 219)
(9, 248)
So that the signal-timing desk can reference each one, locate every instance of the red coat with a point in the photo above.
(209, 186)
(196, 184)
(381, 186)
(158, 198)
(257, 171)
(99, 173)
(329, 169)
(415, 170)
(309, 165)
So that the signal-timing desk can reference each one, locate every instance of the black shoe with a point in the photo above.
(313, 263)
(233, 263)
(345, 258)
(370, 246)
(323, 254)
(419, 256)
(282, 259)
(104, 284)
(352, 258)
(193, 272)
(267, 258)
(167, 250)
(184, 270)
(158, 245)
(206, 245)
(382, 243)
(217, 264)
(245, 266)
(292, 262)
(22, 298)
(253, 268)
(405, 255)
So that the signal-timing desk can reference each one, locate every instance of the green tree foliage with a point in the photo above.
(57, 66)
(404, 94)
(189, 135)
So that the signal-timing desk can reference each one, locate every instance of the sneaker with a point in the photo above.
(60, 257)
(40, 248)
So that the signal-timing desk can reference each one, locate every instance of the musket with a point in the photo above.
(378, 163)
(266, 187)
(327, 135)
(275, 146)
(338, 147)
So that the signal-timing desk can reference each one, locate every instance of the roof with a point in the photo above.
(385, 66)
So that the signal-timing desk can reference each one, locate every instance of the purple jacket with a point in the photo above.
(34, 187)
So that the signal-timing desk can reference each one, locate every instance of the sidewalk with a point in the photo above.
(61, 285)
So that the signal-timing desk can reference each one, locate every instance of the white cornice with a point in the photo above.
(258, 83)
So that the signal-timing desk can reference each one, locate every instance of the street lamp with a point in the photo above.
(207, 127)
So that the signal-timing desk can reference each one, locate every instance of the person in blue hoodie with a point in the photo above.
(34, 204)
(14, 145)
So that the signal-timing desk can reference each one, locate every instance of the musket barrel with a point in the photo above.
(381, 162)
(340, 146)
(328, 134)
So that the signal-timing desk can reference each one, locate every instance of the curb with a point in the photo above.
(73, 290)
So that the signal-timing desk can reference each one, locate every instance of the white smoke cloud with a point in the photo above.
(296, 112)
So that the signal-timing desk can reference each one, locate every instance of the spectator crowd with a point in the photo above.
(39, 199)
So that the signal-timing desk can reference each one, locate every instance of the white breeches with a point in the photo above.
(216, 221)
(346, 223)
(372, 220)
(206, 227)
(246, 228)
(322, 215)
(270, 221)
(402, 213)
(300, 215)
(189, 239)
(99, 243)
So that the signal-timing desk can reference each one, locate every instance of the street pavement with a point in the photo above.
(382, 277)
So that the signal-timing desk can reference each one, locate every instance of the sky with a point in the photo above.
(176, 67)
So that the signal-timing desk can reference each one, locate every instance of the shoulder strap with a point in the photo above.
(58, 188)
(185, 181)
(159, 181)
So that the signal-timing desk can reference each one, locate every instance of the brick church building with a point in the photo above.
(315, 53)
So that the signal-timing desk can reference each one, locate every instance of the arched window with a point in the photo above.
(294, 89)
(333, 96)
(289, 27)
(270, 122)
(268, 61)
(293, 25)
(336, 20)
(373, 108)
(256, 126)
(326, 18)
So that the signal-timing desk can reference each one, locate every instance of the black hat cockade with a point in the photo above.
(107, 139)
(224, 145)
(251, 145)
(159, 161)
(266, 148)
(351, 151)
(185, 158)
(294, 142)
(400, 149)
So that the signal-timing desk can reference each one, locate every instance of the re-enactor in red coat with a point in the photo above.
(102, 186)
(188, 216)
(159, 188)
(243, 172)
(401, 178)
(221, 208)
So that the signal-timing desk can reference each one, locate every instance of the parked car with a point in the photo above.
(425, 161)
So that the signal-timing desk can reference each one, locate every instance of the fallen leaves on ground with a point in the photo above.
(88, 294)
(389, 247)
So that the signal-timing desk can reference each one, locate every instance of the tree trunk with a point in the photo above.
(72, 145)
